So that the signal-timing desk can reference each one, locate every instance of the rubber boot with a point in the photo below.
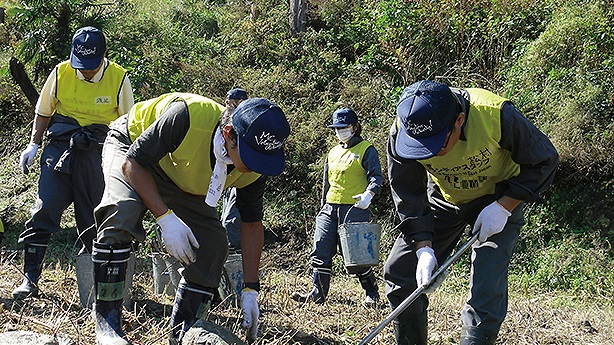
(110, 263)
(84, 268)
(411, 329)
(321, 285)
(33, 255)
(476, 336)
(369, 284)
(192, 302)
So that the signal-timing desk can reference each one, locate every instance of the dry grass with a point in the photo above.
(541, 319)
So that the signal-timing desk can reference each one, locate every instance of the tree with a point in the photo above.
(42, 31)
(298, 9)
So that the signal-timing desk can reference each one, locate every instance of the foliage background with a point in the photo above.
(553, 59)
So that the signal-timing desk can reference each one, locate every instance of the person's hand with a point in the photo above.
(436, 282)
(363, 200)
(178, 237)
(491, 221)
(27, 157)
(251, 312)
(427, 263)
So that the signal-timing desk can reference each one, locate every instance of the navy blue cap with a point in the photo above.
(237, 93)
(262, 129)
(343, 117)
(425, 111)
(88, 47)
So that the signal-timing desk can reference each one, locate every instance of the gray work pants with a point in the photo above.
(326, 236)
(57, 190)
(120, 213)
(486, 306)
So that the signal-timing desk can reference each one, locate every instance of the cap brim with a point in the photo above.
(86, 64)
(338, 125)
(419, 148)
(270, 164)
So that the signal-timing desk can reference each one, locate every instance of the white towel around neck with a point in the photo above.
(218, 177)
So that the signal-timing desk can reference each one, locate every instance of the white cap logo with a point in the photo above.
(268, 141)
(84, 51)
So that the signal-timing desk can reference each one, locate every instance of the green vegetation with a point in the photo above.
(554, 59)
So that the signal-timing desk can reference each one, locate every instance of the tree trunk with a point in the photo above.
(298, 9)
(21, 77)
(1, 15)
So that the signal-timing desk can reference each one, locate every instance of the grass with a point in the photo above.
(539, 318)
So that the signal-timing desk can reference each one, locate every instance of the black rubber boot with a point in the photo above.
(369, 283)
(110, 263)
(475, 336)
(33, 255)
(321, 285)
(411, 329)
(192, 302)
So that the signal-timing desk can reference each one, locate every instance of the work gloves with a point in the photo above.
(363, 200)
(178, 238)
(491, 221)
(249, 304)
(427, 264)
(27, 157)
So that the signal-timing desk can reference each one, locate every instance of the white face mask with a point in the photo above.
(344, 134)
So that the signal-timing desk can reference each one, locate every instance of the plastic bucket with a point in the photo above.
(166, 274)
(360, 243)
(234, 270)
(84, 270)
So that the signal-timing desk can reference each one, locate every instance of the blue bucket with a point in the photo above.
(360, 243)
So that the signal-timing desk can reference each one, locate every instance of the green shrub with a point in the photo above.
(465, 43)
(563, 82)
(566, 266)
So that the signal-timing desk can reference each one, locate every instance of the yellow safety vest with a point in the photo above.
(473, 167)
(189, 166)
(346, 175)
(89, 103)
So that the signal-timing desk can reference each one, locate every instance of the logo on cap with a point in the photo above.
(418, 128)
(85, 51)
(268, 141)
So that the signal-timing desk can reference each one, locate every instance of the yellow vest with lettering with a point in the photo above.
(89, 103)
(189, 166)
(346, 175)
(473, 167)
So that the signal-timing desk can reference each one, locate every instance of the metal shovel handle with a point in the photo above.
(411, 298)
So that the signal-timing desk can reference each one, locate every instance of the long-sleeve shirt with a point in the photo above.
(372, 167)
(529, 148)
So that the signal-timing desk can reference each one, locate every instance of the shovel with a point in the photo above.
(411, 298)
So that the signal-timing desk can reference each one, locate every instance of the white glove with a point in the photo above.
(27, 157)
(178, 238)
(427, 263)
(491, 221)
(437, 282)
(251, 312)
(363, 200)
